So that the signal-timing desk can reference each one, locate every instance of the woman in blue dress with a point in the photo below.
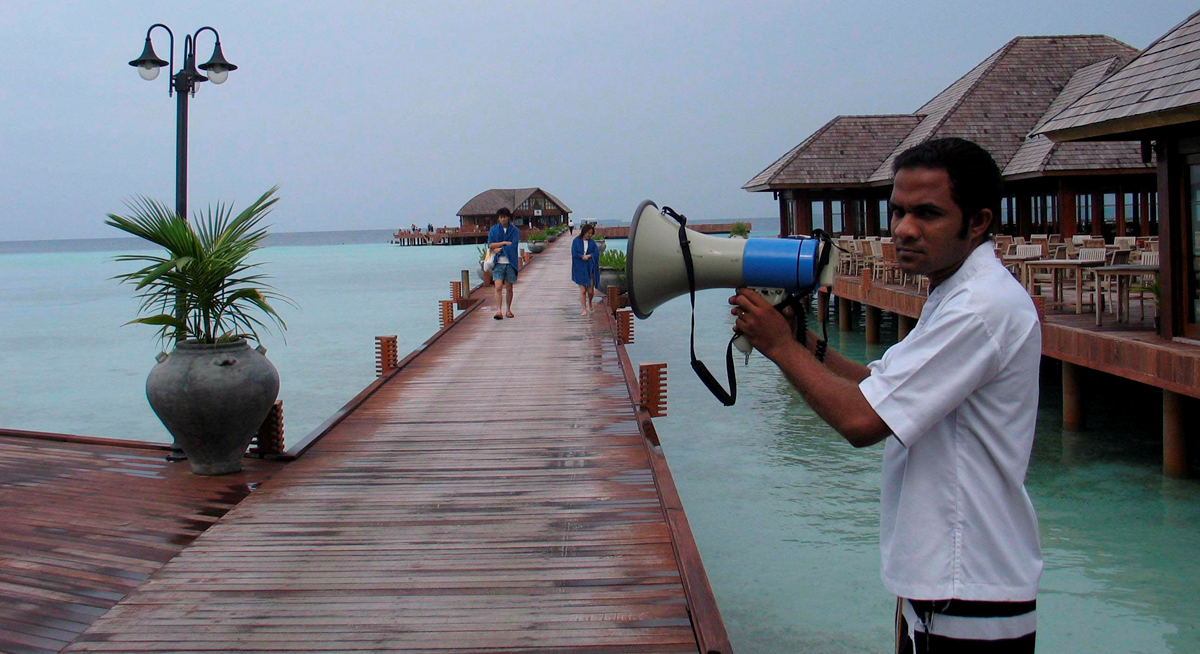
(585, 266)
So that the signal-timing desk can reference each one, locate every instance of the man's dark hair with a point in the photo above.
(504, 212)
(975, 181)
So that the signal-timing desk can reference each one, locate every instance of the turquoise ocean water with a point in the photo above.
(784, 512)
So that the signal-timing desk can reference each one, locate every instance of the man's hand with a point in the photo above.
(586, 257)
(767, 329)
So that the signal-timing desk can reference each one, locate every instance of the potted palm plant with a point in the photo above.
(213, 390)
(537, 242)
(739, 229)
(612, 270)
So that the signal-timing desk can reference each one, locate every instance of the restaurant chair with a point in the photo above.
(1089, 278)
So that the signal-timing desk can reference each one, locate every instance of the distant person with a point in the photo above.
(503, 238)
(430, 228)
(571, 226)
(956, 402)
(585, 266)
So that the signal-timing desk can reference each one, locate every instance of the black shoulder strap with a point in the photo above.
(701, 370)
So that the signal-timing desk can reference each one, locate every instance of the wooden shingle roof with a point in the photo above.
(995, 104)
(492, 200)
(998, 102)
(1160, 87)
(1039, 154)
(844, 151)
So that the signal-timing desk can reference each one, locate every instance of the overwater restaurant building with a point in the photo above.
(532, 208)
(839, 178)
(1153, 103)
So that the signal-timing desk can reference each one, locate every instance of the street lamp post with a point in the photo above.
(182, 85)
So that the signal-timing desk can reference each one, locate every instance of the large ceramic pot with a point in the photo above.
(213, 398)
(600, 246)
(612, 277)
(537, 247)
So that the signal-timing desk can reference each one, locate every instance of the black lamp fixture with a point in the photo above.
(182, 85)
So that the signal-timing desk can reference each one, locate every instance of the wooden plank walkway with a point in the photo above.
(497, 494)
(83, 522)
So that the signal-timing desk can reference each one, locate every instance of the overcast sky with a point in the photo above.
(381, 114)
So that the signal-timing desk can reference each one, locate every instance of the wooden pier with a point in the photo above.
(500, 491)
(85, 521)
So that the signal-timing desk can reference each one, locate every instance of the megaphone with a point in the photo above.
(656, 269)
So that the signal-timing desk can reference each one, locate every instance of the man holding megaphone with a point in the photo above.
(958, 396)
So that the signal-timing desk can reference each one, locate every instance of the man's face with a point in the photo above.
(504, 219)
(926, 224)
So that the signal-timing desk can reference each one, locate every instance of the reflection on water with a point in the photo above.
(786, 514)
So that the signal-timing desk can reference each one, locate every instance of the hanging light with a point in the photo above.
(217, 67)
(149, 63)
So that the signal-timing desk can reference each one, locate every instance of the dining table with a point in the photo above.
(1124, 275)
(1056, 268)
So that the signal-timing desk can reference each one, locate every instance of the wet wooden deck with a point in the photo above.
(496, 494)
(84, 522)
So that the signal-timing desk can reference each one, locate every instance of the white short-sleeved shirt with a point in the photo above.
(960, 394)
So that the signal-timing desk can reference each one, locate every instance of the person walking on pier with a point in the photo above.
(585, 266)
(571, 226)
(503, 238)
(958, 397)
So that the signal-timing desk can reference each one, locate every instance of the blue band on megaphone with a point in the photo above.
(771, 263)
(806, 265)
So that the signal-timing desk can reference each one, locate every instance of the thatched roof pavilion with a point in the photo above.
(531, 207)
(840, 177)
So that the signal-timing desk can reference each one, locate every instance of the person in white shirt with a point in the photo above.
(958, 396)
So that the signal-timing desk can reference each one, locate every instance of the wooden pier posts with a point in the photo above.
(269, 439)
(445, 312)
(465, 285)
(386, 357)
(904, 325)
(844, 317)
(625, 325)
(1074, 418)
(652, 388)
(873, 320)
(613, 298)
(1175, 456)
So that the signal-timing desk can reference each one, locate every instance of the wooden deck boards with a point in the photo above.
(84, 523)
(495, 495)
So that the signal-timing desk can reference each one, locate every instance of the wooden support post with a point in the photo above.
(269, 439)
(1039, 304)
(465, 285)
(445, 312)
(385, 355)
(843, 311)
(1074, 418)
(625, 325)
(904, 325)
(1175, 457)
(456, 292)
(614, 298)
(872, 324)
(823, 307)
(652, 387)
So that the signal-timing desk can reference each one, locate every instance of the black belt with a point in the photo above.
(972, 609)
